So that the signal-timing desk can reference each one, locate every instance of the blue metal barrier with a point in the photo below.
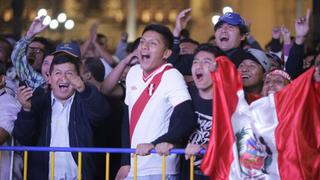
(81, 150)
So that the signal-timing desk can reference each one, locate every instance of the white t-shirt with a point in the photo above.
(107, 67)
(155, 118)
(9, 108)
(65, 166)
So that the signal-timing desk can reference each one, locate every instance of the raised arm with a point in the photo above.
(287, 44)
(121, 52)
(93, 101)
(111, 80)
(294, 64)
(181, 23)
(19, 61)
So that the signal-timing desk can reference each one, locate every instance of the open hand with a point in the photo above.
(132, 58)
(182, 21)
(93, 32)
(36, 27)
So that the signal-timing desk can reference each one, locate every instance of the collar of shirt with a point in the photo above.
(54, 100)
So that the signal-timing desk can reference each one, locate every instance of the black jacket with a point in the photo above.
(89, 109)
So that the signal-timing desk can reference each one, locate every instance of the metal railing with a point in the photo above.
(81, 150)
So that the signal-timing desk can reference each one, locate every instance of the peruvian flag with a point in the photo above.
(275, 137)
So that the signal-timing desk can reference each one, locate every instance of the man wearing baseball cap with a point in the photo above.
(71, 48)
(24, 70)
(254, 64)
(230, 32)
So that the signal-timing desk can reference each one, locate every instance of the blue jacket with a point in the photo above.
(89, 109)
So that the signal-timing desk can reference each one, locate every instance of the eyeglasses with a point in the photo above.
(35, 50)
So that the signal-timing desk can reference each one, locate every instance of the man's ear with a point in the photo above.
(243, 37)
(167, 53)
(87, 76)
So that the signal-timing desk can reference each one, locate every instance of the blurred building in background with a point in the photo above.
(116, 16)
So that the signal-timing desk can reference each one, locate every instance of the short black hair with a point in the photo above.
(164, 31)
(133, 45)
(189, 40)
(2, 69)
(242, 28)
(95, 67)
(212, 37)
(48, 45)
(207, 47)
(184, 33)
(65, 58)
(8, 50)
(102, 36)
(99, 35)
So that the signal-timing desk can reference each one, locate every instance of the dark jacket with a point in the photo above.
(88, 109)
(294, 64)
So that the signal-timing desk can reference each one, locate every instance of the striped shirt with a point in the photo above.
(24, 70)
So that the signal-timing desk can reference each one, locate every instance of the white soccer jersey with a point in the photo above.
(155, 118)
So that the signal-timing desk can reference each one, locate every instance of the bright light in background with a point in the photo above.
(42, 12)
(227, 9)
(146, 16)
(46, 20)
(215, 19)
(69, 24)
(62, 17)
(54, 24)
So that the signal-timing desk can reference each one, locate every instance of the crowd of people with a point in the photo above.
(254, 111)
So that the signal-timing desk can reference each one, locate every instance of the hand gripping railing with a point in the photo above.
(81, 150)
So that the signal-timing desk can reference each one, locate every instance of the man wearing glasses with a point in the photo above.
(28, 56)
(36, 52)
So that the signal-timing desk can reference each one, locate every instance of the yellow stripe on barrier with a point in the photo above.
(52, 165)
(135, 159)
(192, 167)
(25, 165)
(79, 165)
(164, 159)
(107, 165)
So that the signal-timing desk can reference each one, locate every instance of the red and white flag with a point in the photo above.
(275, 137)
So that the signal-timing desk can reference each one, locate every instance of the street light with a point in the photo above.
(42, 12)
(227, 9)
(54, 24)
(215, 19)
(69, 24)
(62, 17)
(46, 20)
